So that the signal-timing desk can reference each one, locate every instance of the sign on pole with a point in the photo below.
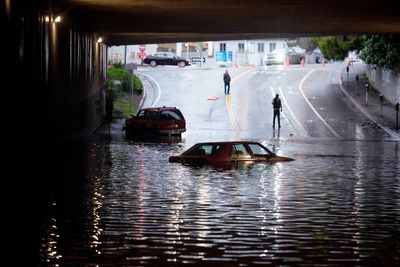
(198, 59)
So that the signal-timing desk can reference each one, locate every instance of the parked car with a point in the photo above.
(165, 58)
(156, 121)
(280, 57)
(220, 153)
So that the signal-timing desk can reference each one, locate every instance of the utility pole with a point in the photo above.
(125, 52)
(397, 115)
(356, 83)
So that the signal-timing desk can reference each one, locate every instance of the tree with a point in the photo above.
(337, 47)
(309, 44)
(382, 51)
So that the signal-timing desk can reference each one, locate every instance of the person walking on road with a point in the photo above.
(227, 82)
(277, 106)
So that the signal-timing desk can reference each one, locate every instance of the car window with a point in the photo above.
(199, 150)
(217, 149)
(170, 115)
(141, 114)
(152, 115)
(207, 149)
(239, 150)
(259, 151)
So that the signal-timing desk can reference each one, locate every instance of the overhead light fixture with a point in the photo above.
(100, 40)
(58, 19)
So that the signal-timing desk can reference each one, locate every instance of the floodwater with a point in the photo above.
(121, 203)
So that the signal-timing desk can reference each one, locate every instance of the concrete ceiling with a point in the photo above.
(162, 21)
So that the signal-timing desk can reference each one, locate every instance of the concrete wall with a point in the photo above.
(61, 72)
(385, 81)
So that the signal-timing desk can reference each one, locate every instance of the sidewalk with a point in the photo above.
(383, 114)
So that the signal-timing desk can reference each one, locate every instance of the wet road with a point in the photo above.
(121, 203)
(313, 104)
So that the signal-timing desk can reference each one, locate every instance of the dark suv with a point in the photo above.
(156, 121)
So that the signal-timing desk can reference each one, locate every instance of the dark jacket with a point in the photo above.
(227, 78)
(276, 103)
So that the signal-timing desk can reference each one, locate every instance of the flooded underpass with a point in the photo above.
(121, 203)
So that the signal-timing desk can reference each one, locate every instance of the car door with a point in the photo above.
(170, 59)
(139, 120)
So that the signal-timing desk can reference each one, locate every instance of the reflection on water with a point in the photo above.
(338, 204)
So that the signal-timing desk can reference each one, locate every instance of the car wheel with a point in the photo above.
(153, 63)
(182, 64)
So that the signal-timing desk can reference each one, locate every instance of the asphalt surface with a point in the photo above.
(318, 102)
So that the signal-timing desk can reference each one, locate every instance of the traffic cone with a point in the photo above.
(287, 63)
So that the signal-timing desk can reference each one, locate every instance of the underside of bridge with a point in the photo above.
(157, 21)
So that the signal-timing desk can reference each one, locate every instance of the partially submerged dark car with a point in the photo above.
(156, 121)
(220, 153)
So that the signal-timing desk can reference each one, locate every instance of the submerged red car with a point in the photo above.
(156, 121)
(216, 153)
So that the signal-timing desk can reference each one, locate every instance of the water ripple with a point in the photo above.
(338, 204)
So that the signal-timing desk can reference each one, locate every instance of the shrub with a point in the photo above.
(118, 74)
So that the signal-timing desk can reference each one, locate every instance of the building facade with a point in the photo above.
(240, 52)
(246, 52)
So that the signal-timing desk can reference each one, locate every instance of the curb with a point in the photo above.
(143, 97)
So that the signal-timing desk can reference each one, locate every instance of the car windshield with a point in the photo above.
(171, 115)
(259, 151)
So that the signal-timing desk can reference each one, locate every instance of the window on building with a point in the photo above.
(272, 47)
(240, 47)
(260, 47)
(222, 47)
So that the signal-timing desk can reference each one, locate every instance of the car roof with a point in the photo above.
(159, 108)
(229, 142)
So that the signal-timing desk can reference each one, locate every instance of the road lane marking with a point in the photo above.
(231, 114)
(158, 88)
(311, 106)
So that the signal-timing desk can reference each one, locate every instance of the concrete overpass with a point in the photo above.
(150, 21)
(53, 44)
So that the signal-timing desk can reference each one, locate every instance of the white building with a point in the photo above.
(246, 52)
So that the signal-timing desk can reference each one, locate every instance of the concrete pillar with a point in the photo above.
(210, 49)
(179, 49)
